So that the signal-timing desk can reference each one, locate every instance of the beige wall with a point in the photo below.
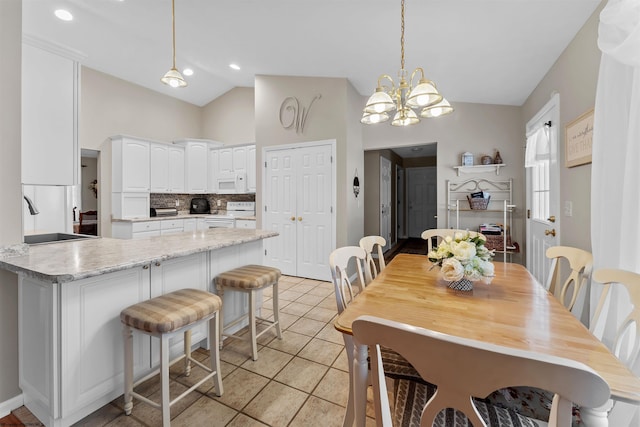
(354, 161)
(325, 121)
(371, 193)
(477, 128)
(10, 190)
(111, 106)
(230, 118)
(574, 76)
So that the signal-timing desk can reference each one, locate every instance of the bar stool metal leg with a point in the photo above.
(164, 380)
(276, 310)
(214, 333)
(187, 352)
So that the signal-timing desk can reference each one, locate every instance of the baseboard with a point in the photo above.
(9, 405)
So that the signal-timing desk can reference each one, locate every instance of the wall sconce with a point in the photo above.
(356, 184)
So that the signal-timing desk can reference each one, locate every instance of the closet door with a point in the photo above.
(298, 196)
(314, 211)
(280, 199)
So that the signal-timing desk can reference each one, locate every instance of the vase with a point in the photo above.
(461, 285)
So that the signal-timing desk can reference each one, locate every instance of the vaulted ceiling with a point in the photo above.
(481, 51)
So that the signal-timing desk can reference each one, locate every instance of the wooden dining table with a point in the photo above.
(514, 310)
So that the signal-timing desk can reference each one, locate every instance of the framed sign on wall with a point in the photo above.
(578, 136)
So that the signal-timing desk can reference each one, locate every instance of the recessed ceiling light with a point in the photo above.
(187, 72)
(63, 14)
(234, 66)
(416, 149)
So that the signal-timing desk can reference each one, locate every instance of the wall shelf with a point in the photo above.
(480, 168)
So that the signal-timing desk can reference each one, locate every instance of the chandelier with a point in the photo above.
(403, 97)
(173, 77)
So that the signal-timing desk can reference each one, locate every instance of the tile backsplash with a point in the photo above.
(161, 200)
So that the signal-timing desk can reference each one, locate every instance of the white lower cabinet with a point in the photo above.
(70, 347)
(130, 205)
(245, 223)
(171, 226)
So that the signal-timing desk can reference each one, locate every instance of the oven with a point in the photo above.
(228, 218)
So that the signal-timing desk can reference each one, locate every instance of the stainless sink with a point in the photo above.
(37, 239)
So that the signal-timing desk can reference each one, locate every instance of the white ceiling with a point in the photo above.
(481, 51)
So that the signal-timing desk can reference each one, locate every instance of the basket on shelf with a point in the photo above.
(479, 203)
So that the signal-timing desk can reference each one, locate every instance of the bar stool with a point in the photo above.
(250, 279)
(164, 317)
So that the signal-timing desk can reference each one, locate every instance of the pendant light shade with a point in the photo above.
(440, 109)
(405, 117)
(173, 77)
(424, 94)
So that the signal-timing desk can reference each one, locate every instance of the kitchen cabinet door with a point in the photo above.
(214, 169)
(196, 164)
(251, 169)
(226, 160)
(159, 175)
(130, 165)
(50, 153)
(176, 169)
(240, 159)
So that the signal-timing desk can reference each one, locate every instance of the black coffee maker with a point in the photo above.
(199, 205)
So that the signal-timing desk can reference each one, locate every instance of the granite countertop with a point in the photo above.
(77, 259)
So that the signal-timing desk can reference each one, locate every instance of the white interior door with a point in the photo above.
(401, 232)
(385, 201)
(280, 200)
(543, 195)
(422, 199)
(314, 200)
(299, 193)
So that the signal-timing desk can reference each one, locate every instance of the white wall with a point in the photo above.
(477, 128)
(574, 76)
(230, 118)
(10, 192)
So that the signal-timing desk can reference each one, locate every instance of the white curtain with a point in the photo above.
(615, 172)
(537, 148)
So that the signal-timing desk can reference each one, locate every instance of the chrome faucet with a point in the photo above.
(32, 208)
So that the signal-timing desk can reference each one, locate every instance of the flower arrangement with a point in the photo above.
(463, 258)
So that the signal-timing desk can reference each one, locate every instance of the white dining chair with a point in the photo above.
(440, 233)
(580, 264)
(339, 261)
(369, 244)
(465, 371)
(624, 338)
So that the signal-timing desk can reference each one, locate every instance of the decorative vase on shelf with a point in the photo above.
(497, 159)
(461, 285)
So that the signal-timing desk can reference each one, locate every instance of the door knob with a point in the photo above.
(552, 232)
(299, 218)
(552, 218)
(293, 218)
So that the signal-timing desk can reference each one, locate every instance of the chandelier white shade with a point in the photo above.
(403, 97)
(173, 77)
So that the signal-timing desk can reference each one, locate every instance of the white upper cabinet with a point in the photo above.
(196, 163)
(176, 169)
(50, 153)
(130, 165)
(251, 168)
(167, 168)
(236, 159)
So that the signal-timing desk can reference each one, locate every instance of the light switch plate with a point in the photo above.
(568, 208)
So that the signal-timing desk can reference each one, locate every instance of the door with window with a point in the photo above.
(299, 188)
(543, 188)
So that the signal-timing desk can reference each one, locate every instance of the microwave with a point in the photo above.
(232, 183)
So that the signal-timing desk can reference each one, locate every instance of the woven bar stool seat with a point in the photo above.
(164, 317)
(250, 279)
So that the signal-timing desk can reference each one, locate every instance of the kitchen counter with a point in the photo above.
(70, 296)
(181, 215)
(74, 260)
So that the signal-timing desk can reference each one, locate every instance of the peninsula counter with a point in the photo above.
(70, 297)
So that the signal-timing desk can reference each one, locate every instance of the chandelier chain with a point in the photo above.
(173, 29)
(402, 37)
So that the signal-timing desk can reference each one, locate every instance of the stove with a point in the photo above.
(234, 210)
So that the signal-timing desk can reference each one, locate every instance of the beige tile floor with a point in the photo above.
(301, 380)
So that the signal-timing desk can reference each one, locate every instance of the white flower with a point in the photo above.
(448, 239)
(486, 268)
(463, 250)
(458, 236)
(452, 270)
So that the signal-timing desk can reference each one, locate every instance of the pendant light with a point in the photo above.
(173, 77)
(404, 97)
